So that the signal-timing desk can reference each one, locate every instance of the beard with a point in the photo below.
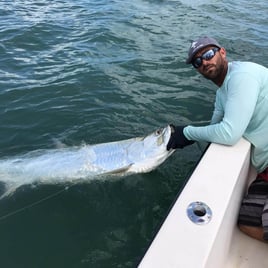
(213, 72)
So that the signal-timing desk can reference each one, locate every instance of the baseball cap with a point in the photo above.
(199, 44)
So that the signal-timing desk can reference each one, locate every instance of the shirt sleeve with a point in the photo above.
(241, 97)
(218, 112)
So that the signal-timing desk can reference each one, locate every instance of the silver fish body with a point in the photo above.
(136, 155)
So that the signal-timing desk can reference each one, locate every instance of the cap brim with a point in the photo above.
(189, 60)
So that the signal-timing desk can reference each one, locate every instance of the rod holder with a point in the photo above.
(199, 213)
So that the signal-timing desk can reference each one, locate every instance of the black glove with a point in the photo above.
(177, 139)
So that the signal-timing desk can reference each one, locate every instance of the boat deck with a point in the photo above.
(246, 252)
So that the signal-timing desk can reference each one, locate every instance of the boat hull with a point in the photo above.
(218, 182)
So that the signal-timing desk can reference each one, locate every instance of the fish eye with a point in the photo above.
(158, 132)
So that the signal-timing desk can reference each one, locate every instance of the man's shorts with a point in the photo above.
(254, 208)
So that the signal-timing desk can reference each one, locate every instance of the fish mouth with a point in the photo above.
(166, 133)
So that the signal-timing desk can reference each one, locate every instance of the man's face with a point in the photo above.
(213, 67)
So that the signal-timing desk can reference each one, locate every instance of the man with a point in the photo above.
(241, 110)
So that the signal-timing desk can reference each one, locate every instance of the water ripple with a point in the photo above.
(96, 71)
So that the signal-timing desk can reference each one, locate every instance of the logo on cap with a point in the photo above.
(194, 44)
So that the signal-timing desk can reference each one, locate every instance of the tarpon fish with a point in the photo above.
(136, 155)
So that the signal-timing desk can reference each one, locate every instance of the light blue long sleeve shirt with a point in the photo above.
(241, 110)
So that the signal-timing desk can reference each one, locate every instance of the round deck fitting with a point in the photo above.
(199, 213)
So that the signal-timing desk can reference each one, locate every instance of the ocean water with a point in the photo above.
(87, 72)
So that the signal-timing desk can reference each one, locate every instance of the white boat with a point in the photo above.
(201, 230)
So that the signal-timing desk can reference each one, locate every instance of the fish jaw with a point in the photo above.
(149, 164)
(154, 151)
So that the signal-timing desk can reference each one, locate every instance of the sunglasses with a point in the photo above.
(208, 55)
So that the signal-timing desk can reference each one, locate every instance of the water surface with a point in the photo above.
(75, 72)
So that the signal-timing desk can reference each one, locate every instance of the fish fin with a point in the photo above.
(118, 171)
